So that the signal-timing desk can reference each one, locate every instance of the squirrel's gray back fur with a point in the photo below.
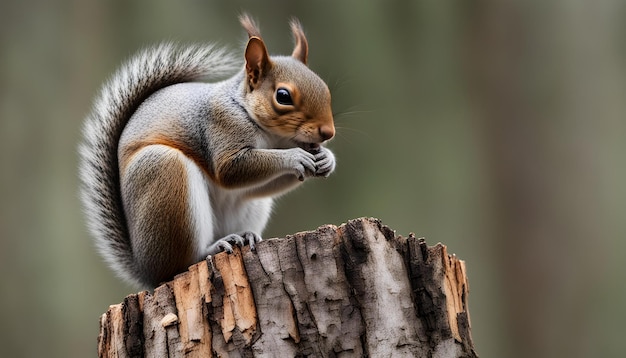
(144, 74)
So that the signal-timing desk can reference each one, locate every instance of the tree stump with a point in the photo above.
(356, 290)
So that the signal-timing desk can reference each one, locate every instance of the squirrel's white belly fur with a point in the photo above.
(233, 212)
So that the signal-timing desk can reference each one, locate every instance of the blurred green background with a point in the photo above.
(495, 127)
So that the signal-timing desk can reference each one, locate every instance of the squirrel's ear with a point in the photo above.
(301, 50)
(257, 61)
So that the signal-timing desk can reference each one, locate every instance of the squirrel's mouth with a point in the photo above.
(309, 147)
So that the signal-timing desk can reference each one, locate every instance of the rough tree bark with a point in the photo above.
(350, 291)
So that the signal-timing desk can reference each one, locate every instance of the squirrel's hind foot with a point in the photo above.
(227, 242)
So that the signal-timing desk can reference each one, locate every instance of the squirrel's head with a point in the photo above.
(288, 99)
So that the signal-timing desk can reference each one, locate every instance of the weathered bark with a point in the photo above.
(353, 290)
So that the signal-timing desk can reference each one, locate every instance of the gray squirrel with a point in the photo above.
(173, 169)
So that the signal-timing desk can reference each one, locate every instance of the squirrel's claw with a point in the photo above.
(225, 246)
(252, 239)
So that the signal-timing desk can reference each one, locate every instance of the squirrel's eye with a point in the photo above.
(283, 97)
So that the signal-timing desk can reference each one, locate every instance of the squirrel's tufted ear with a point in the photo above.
(251, 27)
(257, 61)
(301, 50)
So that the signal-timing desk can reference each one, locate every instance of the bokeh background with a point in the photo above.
(495, 127)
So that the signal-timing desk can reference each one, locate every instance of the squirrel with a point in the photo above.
(174, 168)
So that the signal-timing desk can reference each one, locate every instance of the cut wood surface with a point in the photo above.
(354, 290)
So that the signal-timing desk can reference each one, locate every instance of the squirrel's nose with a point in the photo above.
(326, 132)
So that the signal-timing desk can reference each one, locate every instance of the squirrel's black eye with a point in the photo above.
(283, 97)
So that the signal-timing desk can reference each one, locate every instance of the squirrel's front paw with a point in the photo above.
(324, 162)
(302, 162)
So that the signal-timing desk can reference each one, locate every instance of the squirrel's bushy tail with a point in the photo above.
(145, 73)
